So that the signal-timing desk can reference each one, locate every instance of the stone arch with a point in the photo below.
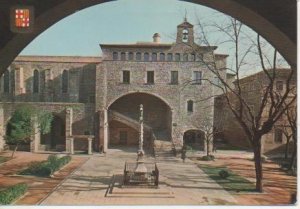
(142, 92)
(195, 138)
(262, 17)
(123, 119)
(55, 140)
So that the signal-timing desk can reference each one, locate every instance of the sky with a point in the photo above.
(129, 21)
(122, 21)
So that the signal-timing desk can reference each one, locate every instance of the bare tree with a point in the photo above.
(258, 120)
(291, 118)
(286, 129)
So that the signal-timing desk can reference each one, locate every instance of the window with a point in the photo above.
(6, 81)
(170, 57)
(65, 81)
(278, 136)
(185, 57)
(154, 57)
(126, 76)
(162, 57)
(177, 57)
(36, 81)
(150, 77)
(190, 106)
(123, 56)
(197, 77)
(279, 85)
(174, 77)
(138, 56)
(217, 81)
(115, 56)
(193, 57)
(146, 57)
(130, 56)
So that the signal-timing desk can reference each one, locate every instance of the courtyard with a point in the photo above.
(96, 180)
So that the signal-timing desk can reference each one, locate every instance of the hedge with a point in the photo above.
(10, 194)
(46, 168)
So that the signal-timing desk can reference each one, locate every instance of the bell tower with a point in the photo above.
(185, 33)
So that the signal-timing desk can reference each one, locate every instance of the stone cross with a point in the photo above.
(141, 141)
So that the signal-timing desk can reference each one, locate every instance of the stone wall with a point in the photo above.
(81, 80)
(175, 96)
(82, 121)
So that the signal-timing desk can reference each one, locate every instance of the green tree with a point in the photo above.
(20, 126)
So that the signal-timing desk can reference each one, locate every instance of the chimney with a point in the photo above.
(156, 38)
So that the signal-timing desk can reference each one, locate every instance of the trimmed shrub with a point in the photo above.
(208, 158)
(46, 168)
(10, 194)
(223, 174)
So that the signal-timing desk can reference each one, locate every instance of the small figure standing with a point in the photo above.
(183, 153)
(215, 147)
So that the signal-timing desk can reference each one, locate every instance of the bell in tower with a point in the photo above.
(185, 32)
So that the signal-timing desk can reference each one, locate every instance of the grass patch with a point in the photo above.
(233, 183)
(12, 193)
(3, 159)
(46, 168)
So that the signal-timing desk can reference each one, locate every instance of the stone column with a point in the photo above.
(2, 132)
(90, 140)
(103, 130)
(36, 137)
(71, 145)
(69, 122)
(106, 131)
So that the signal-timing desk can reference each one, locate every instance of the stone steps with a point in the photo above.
(140, 192)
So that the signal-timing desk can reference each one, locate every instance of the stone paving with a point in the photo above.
(180, 184)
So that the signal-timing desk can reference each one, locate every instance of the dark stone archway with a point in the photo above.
(194, 138)
(275, 20)
(56, 138)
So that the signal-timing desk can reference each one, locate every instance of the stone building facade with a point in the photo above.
(252, 88)
(100, 96)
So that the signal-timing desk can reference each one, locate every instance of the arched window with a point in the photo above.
(138, 56)
(185, 57)
(177, 57)
(115, 56)
(190, 106)
(130, 56)
(161, 57)
(154, 57)
(170, 57)
(193, 57)
(65, 82)
(36, 81)
(146, 57)
(6, 81)
(123, 56)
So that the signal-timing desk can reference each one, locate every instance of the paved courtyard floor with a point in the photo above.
(180, 184)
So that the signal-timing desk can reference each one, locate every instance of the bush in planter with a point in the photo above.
(223, 174)
(208, 158)
(46, 168)
(10, 194)
(38, 169)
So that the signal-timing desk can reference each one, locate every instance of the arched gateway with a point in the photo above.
(123, 120)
